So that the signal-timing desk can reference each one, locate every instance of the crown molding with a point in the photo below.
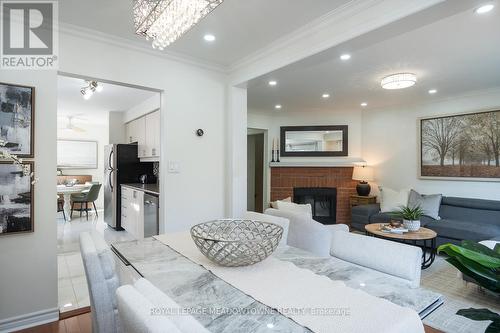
(101, 37)
(351, 20)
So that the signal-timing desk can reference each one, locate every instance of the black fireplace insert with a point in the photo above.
(323, 201)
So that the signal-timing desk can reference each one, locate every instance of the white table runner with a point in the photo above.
(312, 300)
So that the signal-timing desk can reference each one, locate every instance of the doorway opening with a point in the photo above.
(94, 115)
(256, 171)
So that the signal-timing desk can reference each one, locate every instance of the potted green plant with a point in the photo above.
(481, 264)
(477, 261)
(410, 216)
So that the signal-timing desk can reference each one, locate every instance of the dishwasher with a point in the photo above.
(151, 212)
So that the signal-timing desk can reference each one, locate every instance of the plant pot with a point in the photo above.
(411, 225)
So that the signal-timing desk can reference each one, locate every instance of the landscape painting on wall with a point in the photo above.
(16, 119)
(16, 199)
(461, 146)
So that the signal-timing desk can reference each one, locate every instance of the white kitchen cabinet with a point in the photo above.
(146, 132)
(153, 134)
(135, 130)
(133, 204)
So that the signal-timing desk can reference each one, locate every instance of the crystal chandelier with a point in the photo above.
(164, 21)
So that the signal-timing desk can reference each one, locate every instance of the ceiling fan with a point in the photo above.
(70, 124)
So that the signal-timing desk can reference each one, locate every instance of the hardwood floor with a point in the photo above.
(77, 324)
(83, 324)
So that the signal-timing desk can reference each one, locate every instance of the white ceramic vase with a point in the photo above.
(411, 225)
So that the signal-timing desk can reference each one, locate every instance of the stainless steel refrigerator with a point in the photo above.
(121, 166)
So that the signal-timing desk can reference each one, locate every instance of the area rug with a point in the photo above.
(445, 279)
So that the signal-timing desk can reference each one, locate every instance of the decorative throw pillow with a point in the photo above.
(429, 203)
(274, 204)
(391, 200)
(295, 208)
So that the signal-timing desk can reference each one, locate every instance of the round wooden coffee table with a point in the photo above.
(423, 238)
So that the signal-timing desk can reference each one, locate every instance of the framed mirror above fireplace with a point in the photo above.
(331, 140)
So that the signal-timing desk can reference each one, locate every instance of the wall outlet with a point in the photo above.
(174, 167)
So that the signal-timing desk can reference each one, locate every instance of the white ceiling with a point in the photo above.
(241, 27)
(455, 54)
(113, 98)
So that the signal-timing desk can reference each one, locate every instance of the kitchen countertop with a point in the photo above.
(148, 188)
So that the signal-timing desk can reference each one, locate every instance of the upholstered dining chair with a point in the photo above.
(137, 302)
(84, 198)
(102, 282)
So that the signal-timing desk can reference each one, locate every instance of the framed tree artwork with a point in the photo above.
(17, 111)
(16, 198)
(461, 147)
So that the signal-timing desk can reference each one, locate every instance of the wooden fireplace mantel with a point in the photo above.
(337, 163)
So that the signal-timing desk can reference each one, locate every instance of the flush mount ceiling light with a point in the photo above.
(399, 81)
(364, 104)
(278, 106)
(209, 38)
(164, 21)
(432, 91)
(272, 83)
(90, 89)
(484, 9)
(325, 96)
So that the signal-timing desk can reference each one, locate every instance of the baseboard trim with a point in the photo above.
(29, 320)
(74, 313)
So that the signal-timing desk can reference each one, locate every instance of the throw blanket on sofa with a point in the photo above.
(313, 301)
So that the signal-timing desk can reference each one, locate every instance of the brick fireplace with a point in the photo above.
(285, 179)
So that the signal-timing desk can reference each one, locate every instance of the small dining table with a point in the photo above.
(66, 192)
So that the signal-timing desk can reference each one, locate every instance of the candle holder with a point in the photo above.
(277, 155)
(272, 155)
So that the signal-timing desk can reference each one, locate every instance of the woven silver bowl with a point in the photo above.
(232, 243)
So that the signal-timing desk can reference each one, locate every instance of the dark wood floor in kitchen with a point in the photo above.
(83, 324)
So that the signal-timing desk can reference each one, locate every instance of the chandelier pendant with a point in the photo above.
(164, 21)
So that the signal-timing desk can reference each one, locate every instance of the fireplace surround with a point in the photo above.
(285, 178)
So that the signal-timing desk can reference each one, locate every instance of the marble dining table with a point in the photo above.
(220, 307)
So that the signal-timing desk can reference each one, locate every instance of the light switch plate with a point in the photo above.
(174, 167)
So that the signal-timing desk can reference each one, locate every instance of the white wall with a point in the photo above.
(273, 121)
(390, 144)
(28, 264)
(193, 98)
(94, 131)
(151, 104)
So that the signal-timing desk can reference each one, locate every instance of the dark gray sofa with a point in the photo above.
(461, 218)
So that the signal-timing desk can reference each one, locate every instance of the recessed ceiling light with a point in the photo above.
(364, 104)
(484, 9)
(209, 38)
(273, 83)
(345, 57)
(278, 106)
(432, 91)
(398, 81)
(325, 96)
